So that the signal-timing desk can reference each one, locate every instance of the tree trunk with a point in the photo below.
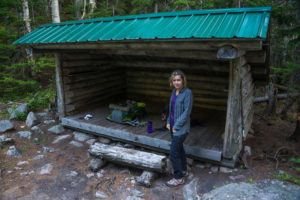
(84, 9)
(55, 11)
(296, 134)
(155, 7)
(78, 4)
(92, 6)
(271, 109)
(27, 26)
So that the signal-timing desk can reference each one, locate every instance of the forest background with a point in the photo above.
(31, 78)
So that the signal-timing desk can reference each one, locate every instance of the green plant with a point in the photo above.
(215, 187)
(21, 116)
(287, 177)
(250, 180)
(295, 160)
(227, 182)
(42, 99)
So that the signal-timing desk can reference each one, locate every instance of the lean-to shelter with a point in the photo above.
(224, 53)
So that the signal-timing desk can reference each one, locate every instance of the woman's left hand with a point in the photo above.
(174, 131)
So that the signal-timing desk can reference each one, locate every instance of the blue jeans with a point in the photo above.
(177, 154)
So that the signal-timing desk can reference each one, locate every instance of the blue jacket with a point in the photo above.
(182, 111)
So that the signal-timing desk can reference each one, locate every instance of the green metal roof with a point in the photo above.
(217, 23)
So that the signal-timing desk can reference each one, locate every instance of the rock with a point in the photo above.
(81, 136)
(20, 109)
(200, 165)
(61, 138)
(5, 125)
(104, 140)
(37, 130)
(76, 144)
(18, 168)
(26, 173)
(46, 169)
(38, 157)
(190, 161)
(5, 140)
(190, 190)
(125, 171)
(48, 149)
(225, 170)
(136, 192)
(146, 178)
(14, 152)
(99, 175)
(96, 163)
(265, 189)
(133, 198)
(35, 140)
(32, 120)
(22, 163)
(72, 174)
(23, 135)
(214, 169)
(101, 194)
(49, 121)
(237, 178)
(58, 129)
(90, 175)
(42, 115)
(91, 141)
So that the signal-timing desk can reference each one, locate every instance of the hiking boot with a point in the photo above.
(175, 182)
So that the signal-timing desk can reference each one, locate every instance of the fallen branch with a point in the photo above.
(279, 96)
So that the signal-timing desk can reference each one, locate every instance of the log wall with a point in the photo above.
(89, 79)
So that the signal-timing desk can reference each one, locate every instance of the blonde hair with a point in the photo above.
(182, 76)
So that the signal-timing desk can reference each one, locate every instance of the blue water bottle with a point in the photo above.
(149, 127)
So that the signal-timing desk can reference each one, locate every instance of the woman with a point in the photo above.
(178, 123)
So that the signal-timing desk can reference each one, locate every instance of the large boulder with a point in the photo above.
(5, 125)
(32, 120)
(20, 109)
(265, 189)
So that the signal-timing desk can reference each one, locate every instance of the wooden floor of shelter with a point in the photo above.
(203, 142)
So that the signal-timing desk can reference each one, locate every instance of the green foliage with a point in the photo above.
(287, 177)
(215, 187)
(21, 116)
(295, 160)
(43, 63)
(42, 99)
(250, 180)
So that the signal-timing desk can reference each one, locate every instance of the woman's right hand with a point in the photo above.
(168, 126)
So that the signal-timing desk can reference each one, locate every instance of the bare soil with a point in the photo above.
(269, 134)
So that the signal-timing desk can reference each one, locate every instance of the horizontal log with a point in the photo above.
(93, 82)
(79, 93)
(76, 78)
(279, 96)
(79, 63)
(90, 101)
(85, 69)
(214, 101)
(76, 56)
(172, 65)
(197, 91)
(162, 75)
(130, 157)
(158, 53)
(256, 56)
(180, 44)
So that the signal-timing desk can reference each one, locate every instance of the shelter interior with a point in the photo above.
(94, 79)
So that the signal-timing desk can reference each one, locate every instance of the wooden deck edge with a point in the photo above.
(141, 140)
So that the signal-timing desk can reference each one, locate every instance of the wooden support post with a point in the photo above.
(59, 86)
(233, 126)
